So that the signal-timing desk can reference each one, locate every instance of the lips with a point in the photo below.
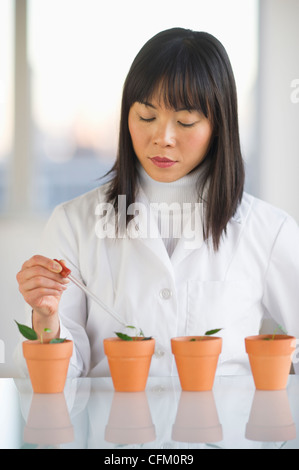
(163, 162)
(161, 159)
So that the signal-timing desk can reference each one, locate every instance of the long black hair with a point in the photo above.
(190, 70)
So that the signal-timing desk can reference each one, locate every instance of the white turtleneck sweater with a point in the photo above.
(172, 204)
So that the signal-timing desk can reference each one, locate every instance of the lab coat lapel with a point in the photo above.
(144, 227)
(187, 245)
(183, 249)
(192, 236)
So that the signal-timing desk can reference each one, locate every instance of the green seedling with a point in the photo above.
(31, 335)
(139, 335)
(279, 327)
(207, 333)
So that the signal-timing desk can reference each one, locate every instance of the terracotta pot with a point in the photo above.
(196, 361)
(270, 360)
(47, 365)
(129, 362)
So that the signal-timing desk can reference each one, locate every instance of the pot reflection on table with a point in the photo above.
(270, 418)
(197, 419)
(130, 420)
(48, 421)
(54, 420)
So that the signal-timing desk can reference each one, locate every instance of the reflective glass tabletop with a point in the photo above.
(90, 415)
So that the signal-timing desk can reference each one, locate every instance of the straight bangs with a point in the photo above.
(173, 78)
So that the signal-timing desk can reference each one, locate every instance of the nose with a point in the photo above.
(165, 135)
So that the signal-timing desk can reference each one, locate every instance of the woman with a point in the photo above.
(171, 242)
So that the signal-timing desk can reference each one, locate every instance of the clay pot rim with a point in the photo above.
(188, 338)
(208, 346)
(34, 350)
(137, 339)
(117, 347)
(281, 345)
(263, 337)
(37, 343)
(123, 344)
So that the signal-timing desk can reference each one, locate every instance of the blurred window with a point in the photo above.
(79, 52)
(6, 98)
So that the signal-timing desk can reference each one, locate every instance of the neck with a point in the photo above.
(182, 191)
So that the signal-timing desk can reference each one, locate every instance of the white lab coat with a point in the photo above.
(254, 274)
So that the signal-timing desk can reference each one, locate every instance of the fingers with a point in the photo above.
(38, 272)
(40, 278)
(44, 262)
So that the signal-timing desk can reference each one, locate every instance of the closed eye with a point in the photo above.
(146, 119)
(186, 125)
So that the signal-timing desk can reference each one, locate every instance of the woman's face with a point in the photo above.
(168, 143)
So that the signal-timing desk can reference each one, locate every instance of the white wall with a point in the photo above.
(18, 241)
(276, 163)
(278, 116)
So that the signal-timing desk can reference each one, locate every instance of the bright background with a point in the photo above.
(62, 67)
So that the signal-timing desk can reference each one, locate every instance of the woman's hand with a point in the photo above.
(41, 285)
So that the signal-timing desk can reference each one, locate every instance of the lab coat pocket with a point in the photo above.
(233, 306)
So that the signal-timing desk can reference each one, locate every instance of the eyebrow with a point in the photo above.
(150, 105)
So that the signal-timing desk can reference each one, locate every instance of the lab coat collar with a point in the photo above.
(237, 217)
(243, 209)
(145, 219)
(184, 248)
(145, 228)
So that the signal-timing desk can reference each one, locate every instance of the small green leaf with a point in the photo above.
(57, 340)
(124, 337)
(192, 339)
(47, 330)
(282, 329)
(212, 332)
(27, 332)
